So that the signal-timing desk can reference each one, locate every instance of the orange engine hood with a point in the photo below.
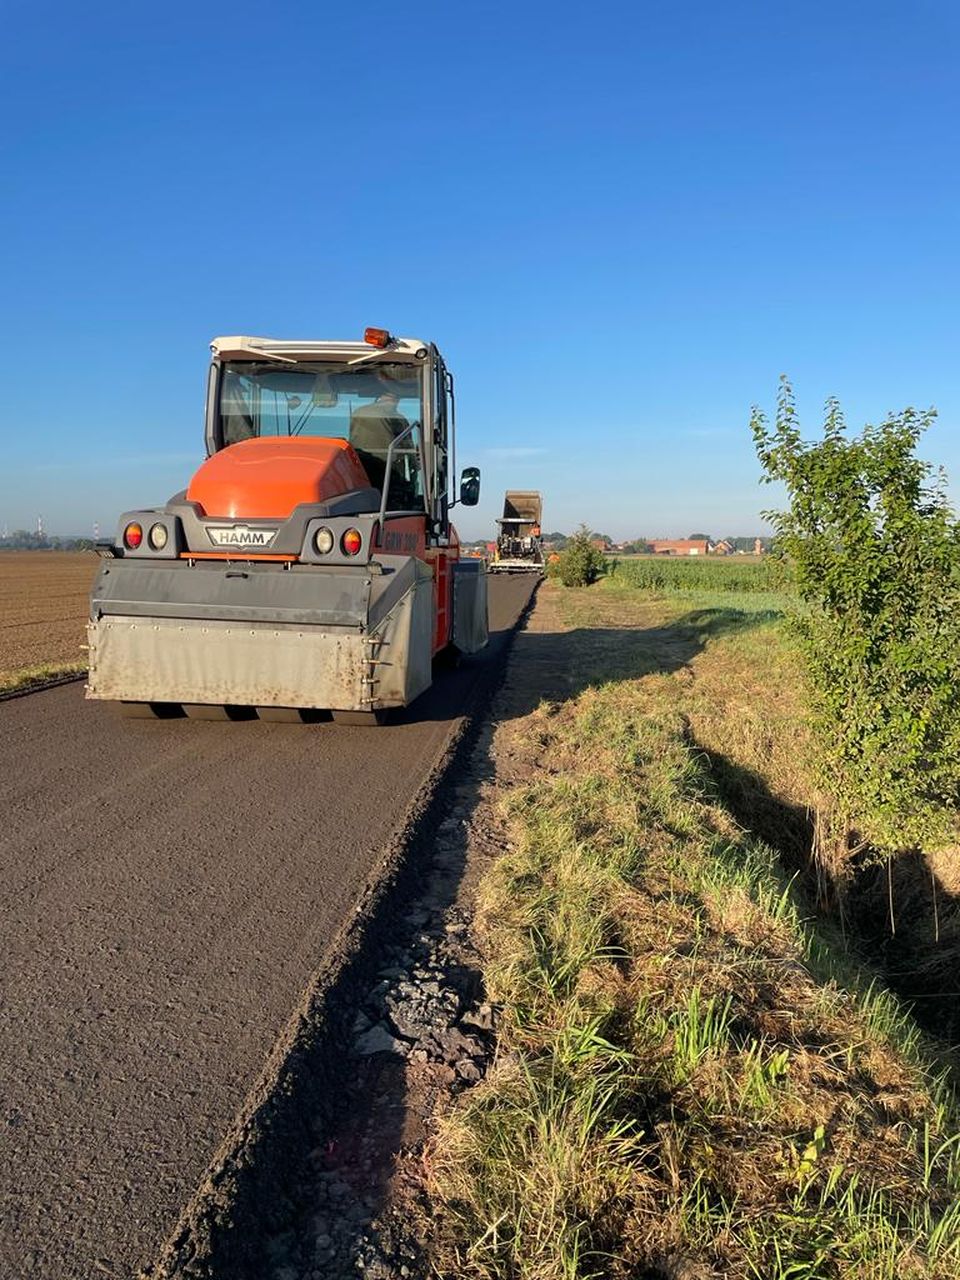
(267, 477)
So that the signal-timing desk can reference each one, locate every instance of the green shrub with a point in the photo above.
(876, 558)
(580, 563)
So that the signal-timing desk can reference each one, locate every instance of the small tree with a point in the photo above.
(875, 554)
(580, 563)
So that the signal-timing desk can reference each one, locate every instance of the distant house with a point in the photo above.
(600, 544)
(724, 548)
(679, 546)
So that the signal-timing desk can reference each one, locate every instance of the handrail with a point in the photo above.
(389, 469)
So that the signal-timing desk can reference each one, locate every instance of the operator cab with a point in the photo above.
(367, 407)
(374, 396)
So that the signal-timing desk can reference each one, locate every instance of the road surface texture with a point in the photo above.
(167, 891)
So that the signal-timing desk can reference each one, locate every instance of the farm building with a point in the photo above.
(679, 546)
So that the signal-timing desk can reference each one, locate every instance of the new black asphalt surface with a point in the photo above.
(167, 890)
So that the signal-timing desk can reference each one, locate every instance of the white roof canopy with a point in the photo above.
(285, 350)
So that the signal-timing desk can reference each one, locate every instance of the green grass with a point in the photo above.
(690, 1069)
(26, 676)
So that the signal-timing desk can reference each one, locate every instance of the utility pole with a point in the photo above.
(40, 527)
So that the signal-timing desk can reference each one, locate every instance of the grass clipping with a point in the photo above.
(689, 1081)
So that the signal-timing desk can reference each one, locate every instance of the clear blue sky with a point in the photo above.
(620, 222)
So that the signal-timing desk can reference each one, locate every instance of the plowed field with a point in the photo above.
(43, 608)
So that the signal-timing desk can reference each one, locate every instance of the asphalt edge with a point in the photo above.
(246, 1192)
(38, 686)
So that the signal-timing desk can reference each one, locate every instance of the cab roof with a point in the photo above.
(290, 351)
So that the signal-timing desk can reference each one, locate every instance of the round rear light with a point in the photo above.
(158, 536)
(323, 541)
(133, 535)
(351, 542)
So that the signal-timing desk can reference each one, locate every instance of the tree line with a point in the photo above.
(29, 540)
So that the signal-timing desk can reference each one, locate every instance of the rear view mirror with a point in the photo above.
(470, 486)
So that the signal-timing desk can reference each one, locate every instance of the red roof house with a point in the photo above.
(679, 546)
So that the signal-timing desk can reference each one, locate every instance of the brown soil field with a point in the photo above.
(43, 608)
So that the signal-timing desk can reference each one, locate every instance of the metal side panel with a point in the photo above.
(470, 620)
(402, 643)
(419, 674)
(397, 575)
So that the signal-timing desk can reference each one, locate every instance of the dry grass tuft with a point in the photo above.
(25, 677)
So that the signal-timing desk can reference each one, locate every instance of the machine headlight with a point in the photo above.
(158, 536)
(323, 541)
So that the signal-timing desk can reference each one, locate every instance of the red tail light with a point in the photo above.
(351, 542)
(133, 535)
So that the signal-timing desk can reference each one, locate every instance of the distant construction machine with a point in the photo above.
(519, 543)
(312, 564)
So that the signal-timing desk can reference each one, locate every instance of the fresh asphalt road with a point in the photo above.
(167, 889)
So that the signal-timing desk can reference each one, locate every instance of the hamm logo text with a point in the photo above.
(240, 535)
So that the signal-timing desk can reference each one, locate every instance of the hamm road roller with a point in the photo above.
(311, 566)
